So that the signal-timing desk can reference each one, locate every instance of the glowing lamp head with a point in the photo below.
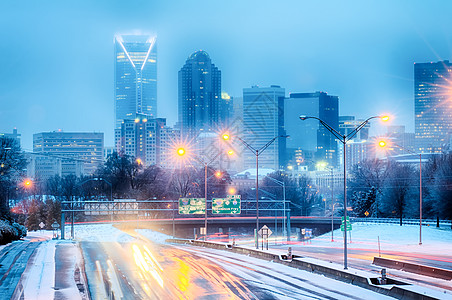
(225, 136)
(181, 151)
(218, 174)
(139, 161)
(27, 183)
(230, 152)
(232, 191)
(382, 144)
(385, 118)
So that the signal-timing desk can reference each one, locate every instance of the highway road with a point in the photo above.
(145, 270)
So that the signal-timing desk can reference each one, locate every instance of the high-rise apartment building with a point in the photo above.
(85, 147)
(147, 140)
(263, 119)
(135, 77)
(309, 136)
(433, 111)
(199, 95)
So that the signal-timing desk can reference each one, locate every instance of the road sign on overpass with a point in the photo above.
(229, 205)
(192, 206)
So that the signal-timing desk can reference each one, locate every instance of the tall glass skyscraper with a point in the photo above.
(135, 77)
(432, 105)
(199, 94)
(313, 139)
(263, 119)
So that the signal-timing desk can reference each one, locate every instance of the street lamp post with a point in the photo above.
(181, 152)
(344, 139)
(283, 184)
(258, 152)
(383, 144)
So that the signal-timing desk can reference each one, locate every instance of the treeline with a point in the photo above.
(391, 189)
(12, 164)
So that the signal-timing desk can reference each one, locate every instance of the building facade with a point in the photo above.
(84, 147)
(14, 135)
(263, 119)
(310, 137)
(199, 95)
(135, 76)
(433, 112)
(348, 123)
(146, 139)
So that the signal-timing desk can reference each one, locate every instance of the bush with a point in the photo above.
(9, 233)
(21, 229)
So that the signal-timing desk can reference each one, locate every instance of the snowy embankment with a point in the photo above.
(392, 237)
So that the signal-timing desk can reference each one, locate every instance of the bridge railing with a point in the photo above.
(404, 221)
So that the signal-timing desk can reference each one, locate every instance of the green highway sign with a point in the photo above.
(229, 205)
(192, 206)
(349, 227)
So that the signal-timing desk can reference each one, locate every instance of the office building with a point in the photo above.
(45, 166)
(85, 147)
(135, 77)
(14, 136)
(433, 111)
(348, 123)
(308, 139)
(263, 119)
(402, 141)
(199, 95)
(144, 138)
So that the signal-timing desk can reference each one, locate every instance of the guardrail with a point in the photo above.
(413, 268)
(404, 221)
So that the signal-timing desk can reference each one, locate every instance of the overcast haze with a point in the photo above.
(56, 57)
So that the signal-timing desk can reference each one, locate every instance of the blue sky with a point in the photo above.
(56, 57)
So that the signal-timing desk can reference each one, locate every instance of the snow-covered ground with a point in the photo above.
(392, 237)
(38, 279)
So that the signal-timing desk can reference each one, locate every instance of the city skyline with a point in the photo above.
(68, 84)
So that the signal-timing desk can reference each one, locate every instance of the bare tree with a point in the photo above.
(397, 190)
(365, 186)
(12, 164)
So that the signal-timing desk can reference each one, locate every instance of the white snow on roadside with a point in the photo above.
(39, 276)
(73, 255)
(154, 236)
(392, 237)
(98, 232)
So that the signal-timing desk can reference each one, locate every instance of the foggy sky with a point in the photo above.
(56, 57)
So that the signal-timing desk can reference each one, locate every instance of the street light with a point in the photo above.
(182, 152)
(344, 139)
(383, 144)
(257, 152)
(283, 185)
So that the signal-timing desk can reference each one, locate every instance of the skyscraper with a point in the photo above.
(310, 136)
(146, 139)
(432, 105)
(135, 77)
(199, 94)
(263, 119)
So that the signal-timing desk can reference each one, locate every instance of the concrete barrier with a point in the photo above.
(413, 268)
(395, 289)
